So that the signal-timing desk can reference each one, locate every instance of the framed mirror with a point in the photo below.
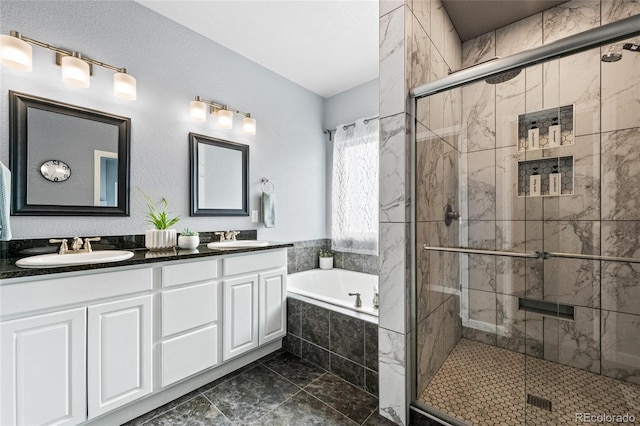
(67, 160)
(219, 177)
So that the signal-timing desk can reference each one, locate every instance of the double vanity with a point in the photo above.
(107, 342)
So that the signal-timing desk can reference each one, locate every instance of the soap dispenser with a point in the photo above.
(554, 134)
(554, 181)
(534, 183)
(533, 137)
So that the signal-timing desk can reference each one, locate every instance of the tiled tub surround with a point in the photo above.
(344, 345)
(304, 256)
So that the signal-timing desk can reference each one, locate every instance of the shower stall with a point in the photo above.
(527, 236)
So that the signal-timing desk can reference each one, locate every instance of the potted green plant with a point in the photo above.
(188, 240)
(326, 259)
(162, 237)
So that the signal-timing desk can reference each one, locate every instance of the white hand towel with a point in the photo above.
(269, 210)
(5, 203)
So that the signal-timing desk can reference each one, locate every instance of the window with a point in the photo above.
(354, 215)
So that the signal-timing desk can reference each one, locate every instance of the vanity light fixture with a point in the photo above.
(15, 52)
(224, 113)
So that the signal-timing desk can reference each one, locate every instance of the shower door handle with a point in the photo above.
(464, 250)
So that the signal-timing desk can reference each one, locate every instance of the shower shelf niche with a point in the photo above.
(542, 120)
(545, 166)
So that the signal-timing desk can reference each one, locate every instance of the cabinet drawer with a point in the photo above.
(189, 272)
(189, 307)
(254, 262)
(19, 298)
(186, 355)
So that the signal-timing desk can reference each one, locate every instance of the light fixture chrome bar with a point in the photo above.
(606, 34)
(62, 52)
(551, 254)
(218, 106)
(464, 250)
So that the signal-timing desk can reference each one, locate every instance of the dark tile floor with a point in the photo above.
(279, 389)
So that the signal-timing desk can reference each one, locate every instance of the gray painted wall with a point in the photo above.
(172, 65)
(344, 108)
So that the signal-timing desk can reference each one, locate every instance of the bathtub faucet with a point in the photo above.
(358, 300)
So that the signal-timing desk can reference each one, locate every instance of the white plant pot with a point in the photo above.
(160, 239)
(326, 263)
(188, 242)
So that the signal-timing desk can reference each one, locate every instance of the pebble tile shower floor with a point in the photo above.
(484, 385)
(279, 389)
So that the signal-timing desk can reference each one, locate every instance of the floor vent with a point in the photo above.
(536, 401)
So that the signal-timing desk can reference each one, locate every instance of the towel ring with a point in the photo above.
(266, 182)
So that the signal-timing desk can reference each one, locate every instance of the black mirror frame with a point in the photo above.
(18, 142)
(194, 140)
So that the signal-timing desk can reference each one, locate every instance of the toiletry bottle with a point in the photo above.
(533, 137)
(534, 183)
(554, 181)
(376, 298)
(554, 134)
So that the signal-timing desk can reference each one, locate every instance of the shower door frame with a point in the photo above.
(590, 39)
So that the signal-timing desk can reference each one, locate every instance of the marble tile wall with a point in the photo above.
(417, 44)
(601, 217)
(437, 152)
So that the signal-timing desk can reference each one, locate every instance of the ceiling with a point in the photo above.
(326, 46)
(472, 18)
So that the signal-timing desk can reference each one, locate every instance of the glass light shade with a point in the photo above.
(225, 119)
(124, 86)
(198, 111)
(249, 125)
(75, 72)
(15, 53)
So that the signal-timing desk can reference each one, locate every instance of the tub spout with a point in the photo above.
(358, 300)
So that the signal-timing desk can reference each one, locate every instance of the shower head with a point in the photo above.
(503, 76)
(494, 79)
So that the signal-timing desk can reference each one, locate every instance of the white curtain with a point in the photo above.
(354, 215)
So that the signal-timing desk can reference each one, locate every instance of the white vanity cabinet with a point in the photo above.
(78, 359)
(105, 346)
(119, 353)
(191, 314)
(273, 305)
(254, 300)
(43, 366)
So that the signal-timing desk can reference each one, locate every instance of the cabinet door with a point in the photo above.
(273, 306)
(240, 315)
(43, 369)
(119, 353)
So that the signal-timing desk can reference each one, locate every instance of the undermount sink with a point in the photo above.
(54, 260)
(237, 244)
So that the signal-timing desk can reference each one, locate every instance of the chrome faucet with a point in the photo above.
(231, 235)
(221, 234)
(358, 300)
(76, 245)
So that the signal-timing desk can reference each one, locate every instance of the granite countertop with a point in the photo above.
(8, 269)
